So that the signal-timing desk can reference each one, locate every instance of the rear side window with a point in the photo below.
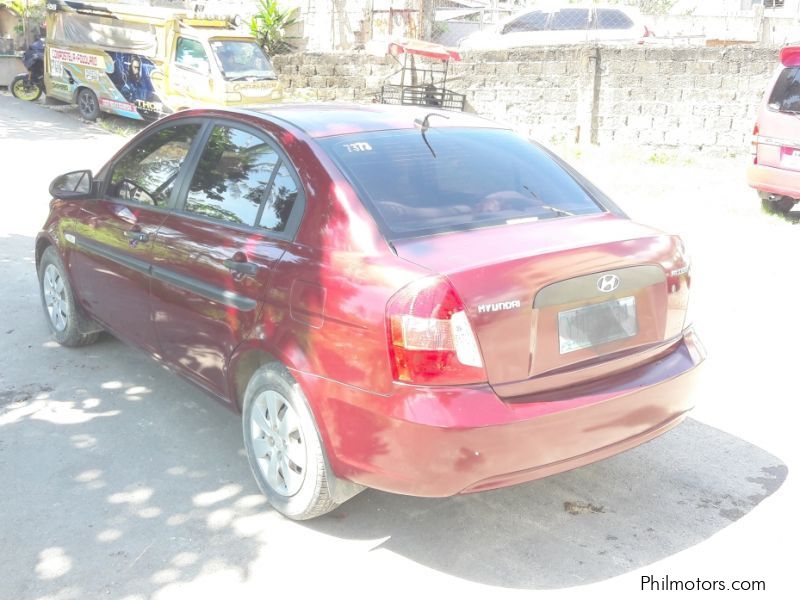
(467, 178)
(280, 201)
(611, 18)
(570, 19)
(232, 176)
(785, 95)
(241, 179)
(532, 21)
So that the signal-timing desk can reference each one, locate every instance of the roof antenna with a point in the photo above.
(424, 125)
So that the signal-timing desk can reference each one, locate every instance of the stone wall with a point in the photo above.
(681, 99)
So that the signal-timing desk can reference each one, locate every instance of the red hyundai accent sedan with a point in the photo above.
(394, 298)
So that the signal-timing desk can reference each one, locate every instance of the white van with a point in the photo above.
(567, 25)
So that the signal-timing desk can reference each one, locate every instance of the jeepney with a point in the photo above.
(144, 62)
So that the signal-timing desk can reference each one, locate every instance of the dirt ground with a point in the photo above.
(121, 481)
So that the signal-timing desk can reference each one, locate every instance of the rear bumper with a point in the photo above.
(444, 441)
(782, 182)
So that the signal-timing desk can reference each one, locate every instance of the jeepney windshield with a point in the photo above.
(242, 60)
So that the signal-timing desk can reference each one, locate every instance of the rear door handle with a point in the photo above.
(241, 266)
(136, 236)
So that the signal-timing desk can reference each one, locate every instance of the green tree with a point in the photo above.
(656, 7)
(269, 26)
(31, 14)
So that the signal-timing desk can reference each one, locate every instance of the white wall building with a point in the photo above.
(778, 8)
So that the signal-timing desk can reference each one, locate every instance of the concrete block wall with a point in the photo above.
(683, 98)
(679, 99)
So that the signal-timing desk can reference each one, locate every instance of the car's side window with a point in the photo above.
(280, 201)
(568, 19)
(612, 18)
(532, 21)
(191, 55)
(241, 179)
(147, 173)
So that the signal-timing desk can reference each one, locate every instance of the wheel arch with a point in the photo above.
(246, 360)
(43, 242)
(78, 91)
(251, 354)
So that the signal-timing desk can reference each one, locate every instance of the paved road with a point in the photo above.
(119, 480)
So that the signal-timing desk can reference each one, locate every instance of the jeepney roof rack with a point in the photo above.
(147, 13)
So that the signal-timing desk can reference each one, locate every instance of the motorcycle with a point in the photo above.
(30, 86)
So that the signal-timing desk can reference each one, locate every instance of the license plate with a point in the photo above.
(597, 324)
(790, 158)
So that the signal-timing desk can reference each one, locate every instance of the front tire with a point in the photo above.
(283, 446)
(62, 313)
(88, 106)
(22, 88)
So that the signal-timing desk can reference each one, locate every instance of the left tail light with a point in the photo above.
(754, 144)
(431, 340)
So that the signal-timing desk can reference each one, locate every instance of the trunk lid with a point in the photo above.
(533, 295)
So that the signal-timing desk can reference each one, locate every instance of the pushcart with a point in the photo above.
(422, 76)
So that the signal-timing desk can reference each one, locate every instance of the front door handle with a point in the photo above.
(136, 236)
(241, 266)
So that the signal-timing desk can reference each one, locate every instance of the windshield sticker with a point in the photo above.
(358, 147)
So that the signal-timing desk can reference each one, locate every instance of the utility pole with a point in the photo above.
(427, 15)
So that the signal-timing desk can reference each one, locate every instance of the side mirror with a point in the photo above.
(72, 186)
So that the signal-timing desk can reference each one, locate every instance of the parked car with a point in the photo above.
(393, 297)
(567, 25)
(775, 171)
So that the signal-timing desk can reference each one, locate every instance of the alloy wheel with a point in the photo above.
(87, 104)
(278, 443)
(55, 297)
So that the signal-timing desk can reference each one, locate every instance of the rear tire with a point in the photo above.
(88, 106)
(22, 89)
(777, 205)
(64, 316)
(283, 446)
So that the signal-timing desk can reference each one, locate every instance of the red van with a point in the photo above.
(775, 171)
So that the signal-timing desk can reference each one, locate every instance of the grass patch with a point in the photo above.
(669, 158)
(119, 125)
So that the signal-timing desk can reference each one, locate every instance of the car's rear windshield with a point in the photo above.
(455, 178)
(785, 95)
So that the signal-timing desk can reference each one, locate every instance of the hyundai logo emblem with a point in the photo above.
(608, 283)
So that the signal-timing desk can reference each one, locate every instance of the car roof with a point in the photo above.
(548, 7)
(328, 119)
